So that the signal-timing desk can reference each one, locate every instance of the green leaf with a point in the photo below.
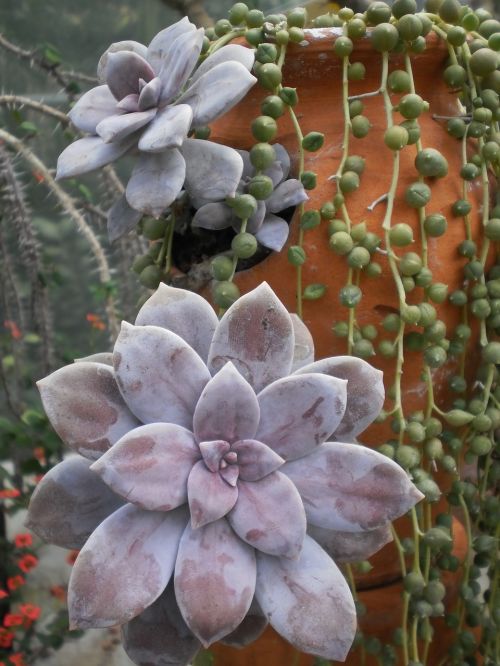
(32, 417)
(314, 291)
(204, 658)
(321, 662)
(28, 126)
(52, 55)
(85, 191)
(8, 362)
(6, 424)
(32, 338)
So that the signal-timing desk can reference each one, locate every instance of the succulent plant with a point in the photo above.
(212, 485)
(150, 99)
(269, 229)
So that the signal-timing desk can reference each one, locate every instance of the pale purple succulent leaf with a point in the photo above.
(283, 158)
(214, 580)
(100, 357)
(213, 216)
(213, 452)
(183, 312)
(273, 233)
(125, 45)
(351, 546)
(117, 127)
(85, 408)
(122, 219)
(92, 107)
(248, 167)
(69, 503)
(289, 193)
(255, 220)
(297, 416)
(217, 91)
(123, 71)
(227, 408)
(230, 474)
(308, 601)
(350, 488)
(161, 44)
(256, 334)
(275, 173)
(150, 466)
(179, 62)
(303, 353)
(150, 94)
(226, 54)
(269, 515)
(365, 392)
(159, 635)
(167, 130)
(255, 459)
(156, 181)
(212, 171)
(130, 103)
(89, 154)
(249, 630)
(132, 545)
(209, 496)
(159, 375)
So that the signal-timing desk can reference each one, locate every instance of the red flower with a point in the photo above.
(14, 582)
(9, 493)
(27, 563)
(3, 594)
(23, 540)
(6, 638)
(71, 557)
(95, 321)
(13, 329)
(13, 620)
(30, 611)
(17, 659)
(59, 592)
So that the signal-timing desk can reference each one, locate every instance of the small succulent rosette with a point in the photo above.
(217, 477)
(150, 99)
(278, 193)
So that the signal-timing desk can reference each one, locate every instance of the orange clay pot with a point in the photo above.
(316, 72)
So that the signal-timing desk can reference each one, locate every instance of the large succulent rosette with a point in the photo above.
(213, 486)
(150, 99)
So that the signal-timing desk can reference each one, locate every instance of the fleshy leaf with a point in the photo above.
(226, 54)
(214, 580)
(275, 173)
(269, 515)
(351, 546)
(92, 107)
(168, 129)
(90, 153)
(150, 466)
(365, 392)
(69, 503)
(131, 545)
(212, 171)
(351, 488)
(283, 158)
(159, 635)
(308, 601)
(254, 221)
(213, 452)
(161, 43)
(227, 408)
(130, 103)
(303, 353)
(123, 71)
(210, 497)
(230, 474)
(249, 630)
(289, 193)
(156, 181)
(85, 408)
(125, 45)
(183, 312)
(179, 63)
(213, 216)
(122, 219)
(150, 94)
(117, 127)
(256, 334)
(297, 416)
(255, 459)
(273, 232)
(217, 91)
(99, 357)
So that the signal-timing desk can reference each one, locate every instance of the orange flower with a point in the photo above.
(71, 557)
(59, 592)
(17, 659)
(27, 563)
(9, 493)
(13, 328)
(95, 321)
(6, 638)
(30, 611)
(23, 540)
(13, 620)
(14, 582)
(39, 453)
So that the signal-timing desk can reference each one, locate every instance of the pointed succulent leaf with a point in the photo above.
(150, 466)
(93, 107)
(365, 392)
(351, 488)
(217, 91)
(214, 580)
(159, 375)
(269, 515)
(213, 452)
(100, 357)
(255, 459)
(125, 45)
(249, 630)
(212, 171)
(230, 474)
(351, 546)
(256, 334)
(168, 129)
(150, 94)
(123, 71)
(122, 219)
(289, 193)
(209, 496)
(161, 44)
(85, 408)
(131, 545)
(156, 181)
(303, 353)
(159, 635)
(69, 503)
(117, 127)
(213, 216)
(297, 416)
(89, 154)
(308, 601)
(248, 167)
(227, 54)
(183, 312)
(275, 173)
(227, 408)
(255, 220)
(130, 103)
(283, 158)
(179, 62)
(273, 233)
